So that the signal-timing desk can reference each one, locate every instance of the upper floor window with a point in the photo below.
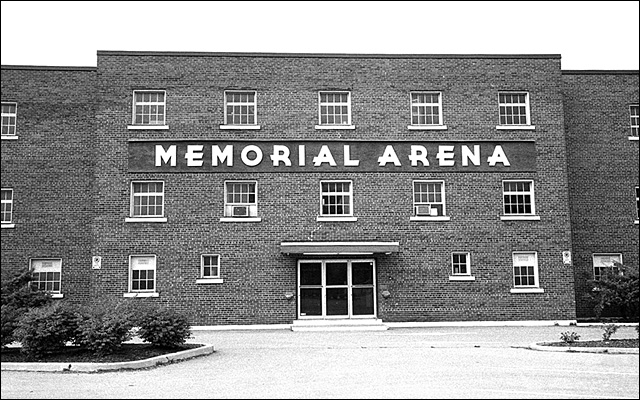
(514, 108)
(334, 109)
(240, 107)
(426, 108)
(428, 199)
(518, 198)
(241, 199)
(46, 275)
(602, 262)
(633, 113)
(7, 206)
(147, 199)
(149, 107)
(9, 113)
(336, 198)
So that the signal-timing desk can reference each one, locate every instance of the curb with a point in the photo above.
(544, 346)
(96, 367)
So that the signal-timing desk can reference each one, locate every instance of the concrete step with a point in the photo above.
(316, 325)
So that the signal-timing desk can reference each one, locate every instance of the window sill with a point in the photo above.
(9, 137)
(634, 138)
(440, 218)
(247, 127)
(335, 127)
(517, 127)
(321, 218)
(148, 127)
(241, 219)
(209, 280)
(427, 127)
(462, 278)
(520, 217)
(10, 226)
(142, 294)
(527, 290)
(635, 222)
(154, 219)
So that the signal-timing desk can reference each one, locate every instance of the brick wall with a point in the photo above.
(603, 171)
(256, 275)
(50, 169)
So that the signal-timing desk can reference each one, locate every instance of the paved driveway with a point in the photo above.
(454, 362)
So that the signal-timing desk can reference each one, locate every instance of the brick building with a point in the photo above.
(289, 188)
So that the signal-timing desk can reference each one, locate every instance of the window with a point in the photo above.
(210, 266)
(142, 272)
(9, 113)
(514, 108)
(7, 206)
(525, 270)
(460, 263)
(147, 199)
(426, 108)
(602, 262)
(336, 198)
(241, 199)
(637, 204)
(334, 109)
(428, 199)
(518, 199)
(149, 107)
(46, 275)
(633, 112)
(240, 108)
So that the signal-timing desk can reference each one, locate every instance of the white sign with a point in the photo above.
(96, 262)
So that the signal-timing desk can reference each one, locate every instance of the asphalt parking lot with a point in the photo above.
(443, 362)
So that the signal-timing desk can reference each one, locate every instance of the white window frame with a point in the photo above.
(531, 193)
(252, 207)
(13, 115)
(458, 276)
(209, 278)
(440, 125)
(254, 104)
(535, 288)
(9, 223)
(135, 125)
(336, 217)
(525, 126)
(142, 218)
(637, 205)
(433, 216)
(594, 256)
(144, 292)
(349, 124)
(55, 267)
(633, 121)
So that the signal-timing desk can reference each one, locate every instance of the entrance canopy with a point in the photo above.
(338, 248)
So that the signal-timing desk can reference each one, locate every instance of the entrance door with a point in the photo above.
(336, 289)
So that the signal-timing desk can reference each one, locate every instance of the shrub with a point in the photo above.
(104, 326)
(17, 298)
(163, 327)
(569, 337)
(609, 329)
(46, 329)
(617, 288)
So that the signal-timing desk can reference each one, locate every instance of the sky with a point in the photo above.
(588, 35)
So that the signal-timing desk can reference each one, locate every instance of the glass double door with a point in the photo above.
(336, 289)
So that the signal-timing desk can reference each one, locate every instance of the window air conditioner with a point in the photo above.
(240, 211)
(423, 210)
